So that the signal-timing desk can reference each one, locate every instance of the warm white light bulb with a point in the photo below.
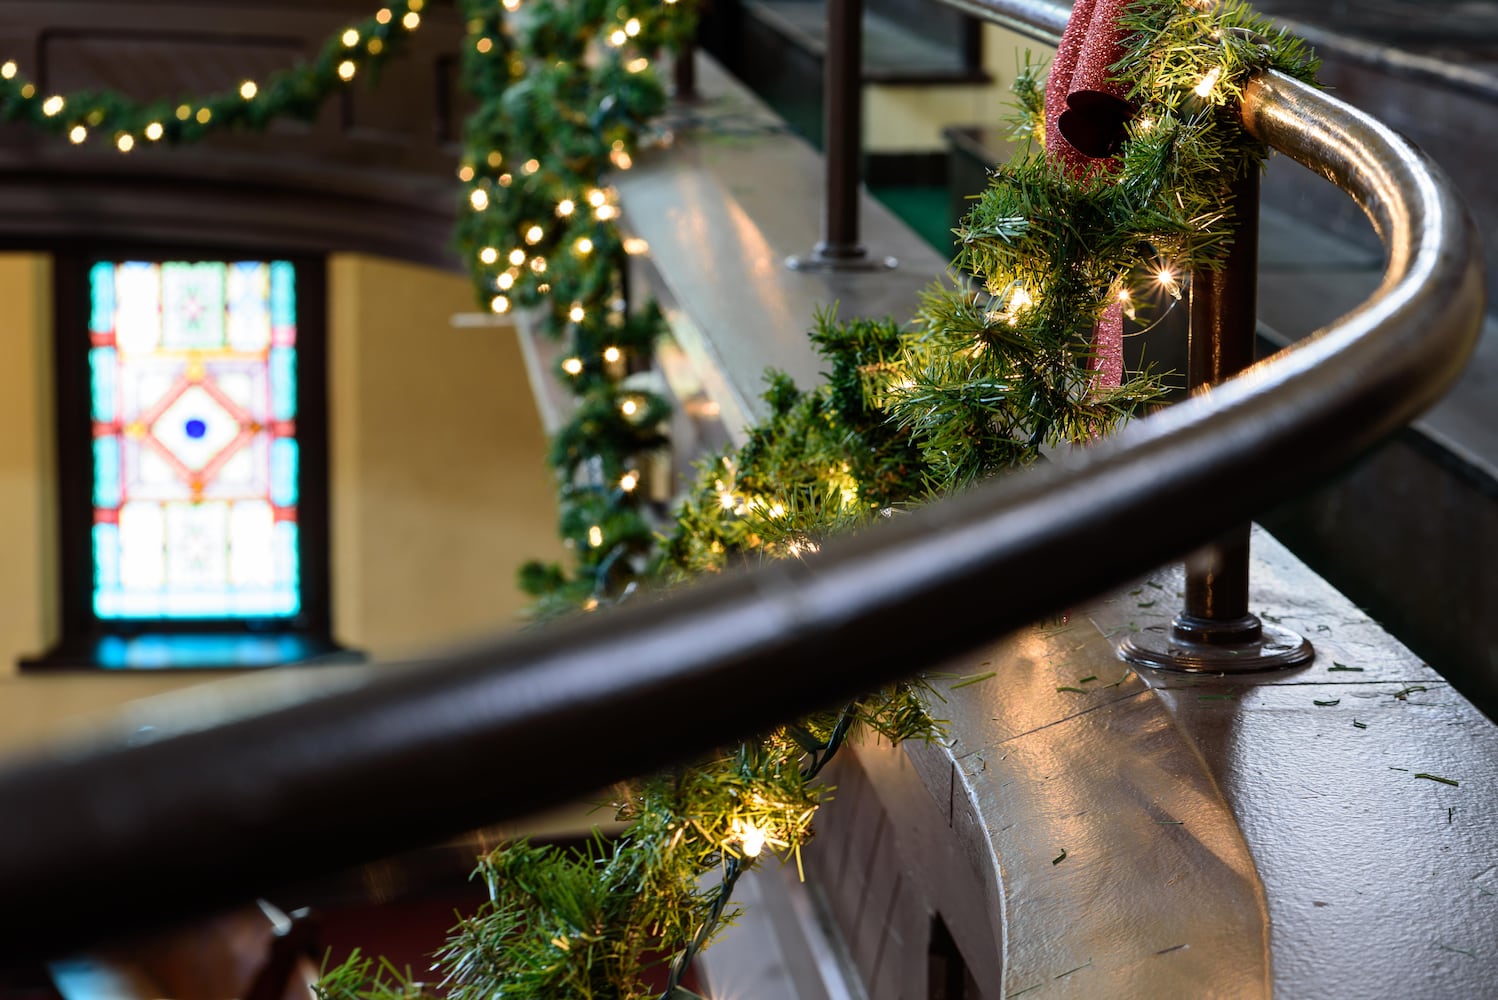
(576, 314)
(346, 70)
(78, 134)
(248, 90)
(533, 234)
(629, 407)
(565, 207)
(517, 256)
(604, 213)
(595, 536)
(1208, 82)
(573, 366)
(350, 38)
(125, 143)
(629, 481)
(9, 70)
(612, 354)
(500, 304)
(595, 197)
(479, 199)
(618, 38)
(584, 246)
(505, 281)
(411, 21)
(488, 255)
(632, 27)
(154, 131)
(52, 105)
(753, 840)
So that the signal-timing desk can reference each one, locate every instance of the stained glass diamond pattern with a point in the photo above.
(196, 427)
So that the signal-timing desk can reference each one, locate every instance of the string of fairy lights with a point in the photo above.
(106, 116)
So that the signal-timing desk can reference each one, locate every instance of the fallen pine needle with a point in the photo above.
(974, 680)
(1059, 858)
(1074, 690)
(1359, 725)
(1326, 704)
(1077, 969)
(1342, 666)
(1437, 777)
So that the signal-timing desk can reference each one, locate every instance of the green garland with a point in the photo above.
(298, 92)
(566, 90)
(985, 378)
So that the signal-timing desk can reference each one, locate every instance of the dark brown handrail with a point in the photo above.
(138, 827)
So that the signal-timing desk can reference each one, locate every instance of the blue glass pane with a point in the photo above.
(289, 567)
(107, 557)
(283, 383)
(283, 472)
(107, 472)
(101, 294)
(282, 294)
(103, 368)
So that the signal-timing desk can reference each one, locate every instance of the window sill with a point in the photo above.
(191, 651)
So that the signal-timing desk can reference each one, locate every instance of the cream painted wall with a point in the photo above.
(438, 482)
(910, 119)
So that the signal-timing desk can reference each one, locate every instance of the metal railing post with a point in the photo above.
(842, 137)
(1215, 632)
(684, 73)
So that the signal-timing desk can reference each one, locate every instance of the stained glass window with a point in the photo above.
(193, 371)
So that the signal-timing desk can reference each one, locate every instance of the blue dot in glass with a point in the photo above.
(195, 428)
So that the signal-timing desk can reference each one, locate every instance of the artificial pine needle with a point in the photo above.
(974, 680)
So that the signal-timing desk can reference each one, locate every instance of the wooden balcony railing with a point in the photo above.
(270, 779)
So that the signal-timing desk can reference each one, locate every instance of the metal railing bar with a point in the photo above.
(120, 834)
(1042, 20)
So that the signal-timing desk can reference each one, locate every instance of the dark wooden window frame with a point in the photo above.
(89, 642)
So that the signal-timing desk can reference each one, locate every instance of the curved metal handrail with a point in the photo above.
(199, 816)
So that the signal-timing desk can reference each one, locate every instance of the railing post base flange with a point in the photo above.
(836, 258)
(1186, 647)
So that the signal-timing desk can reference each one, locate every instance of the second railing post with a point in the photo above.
(1215, 631)
(842, 137)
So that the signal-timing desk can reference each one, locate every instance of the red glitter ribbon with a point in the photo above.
(1085, 117)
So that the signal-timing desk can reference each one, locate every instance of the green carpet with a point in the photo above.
(924, 209)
